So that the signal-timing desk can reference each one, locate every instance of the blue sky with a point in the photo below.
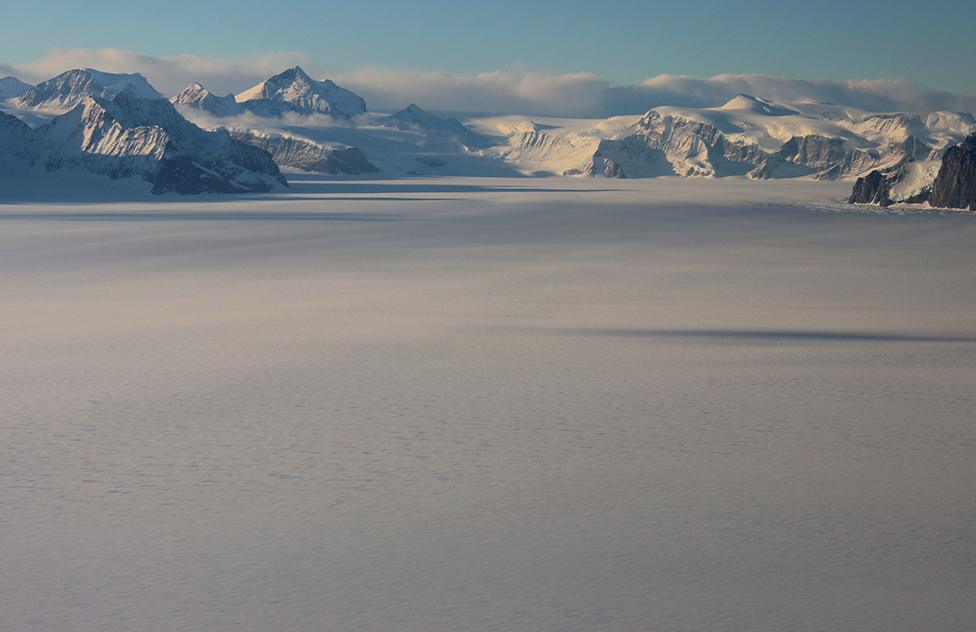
(622, 42)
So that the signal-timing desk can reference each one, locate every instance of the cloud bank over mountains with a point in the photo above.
(514, 89)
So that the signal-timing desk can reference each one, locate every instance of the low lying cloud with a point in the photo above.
(867, 94)
(508, 91)
(514, 90)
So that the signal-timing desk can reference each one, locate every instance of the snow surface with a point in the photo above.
(446, 404)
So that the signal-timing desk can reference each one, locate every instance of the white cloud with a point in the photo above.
(511, 90)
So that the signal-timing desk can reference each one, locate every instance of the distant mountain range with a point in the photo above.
(119, 125)
(746, 136)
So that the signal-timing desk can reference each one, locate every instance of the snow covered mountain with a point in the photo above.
(294, 91)
(197, 97)
(307, 155)
(11, 87)
(413, 117)
(124, 136)
(117, 125)
(71, 88)
(745, 136)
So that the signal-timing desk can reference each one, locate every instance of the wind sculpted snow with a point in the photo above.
(445, 404)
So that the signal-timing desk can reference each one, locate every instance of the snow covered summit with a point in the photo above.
(197, 97)
(71, 88)
(294, 91)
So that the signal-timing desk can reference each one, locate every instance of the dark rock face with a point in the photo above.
(16, 138)
(916, 149)
(874, 188)
(955, 186)
(813, 151)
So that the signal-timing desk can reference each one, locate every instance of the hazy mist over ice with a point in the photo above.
(487, 404)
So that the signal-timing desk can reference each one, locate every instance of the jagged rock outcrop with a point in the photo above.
(629, 157)
(955, 185)
(293, 91)
(817, 152)
(307, 155)
(199, 98)
(693, 148)
(874, 188)
(71, 88)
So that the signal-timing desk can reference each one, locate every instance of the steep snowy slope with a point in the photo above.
(11, 87)
(197, 97)
(294, 91)
(71, 88)
(306, 155)
(16, 139)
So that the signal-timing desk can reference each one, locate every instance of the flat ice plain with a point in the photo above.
(484, 404)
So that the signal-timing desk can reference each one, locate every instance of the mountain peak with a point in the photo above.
(72, 87)
(199, 98)
(294, 91)
(11, 87)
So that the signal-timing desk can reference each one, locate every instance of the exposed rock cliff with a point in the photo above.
(955, 186)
